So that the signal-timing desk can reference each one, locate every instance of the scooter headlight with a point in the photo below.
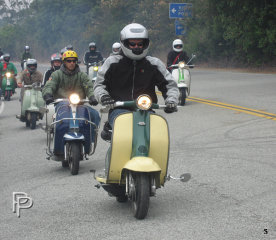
(181, 64)
(8, 74)
(144, 102)
(95, 68)
(74, 98)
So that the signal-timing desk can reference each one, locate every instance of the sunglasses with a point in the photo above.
(133, 44)
(178, 46)
(69, 61)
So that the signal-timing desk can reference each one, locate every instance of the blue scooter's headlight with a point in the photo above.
(8, 74)
(74, 98)
(144, 102)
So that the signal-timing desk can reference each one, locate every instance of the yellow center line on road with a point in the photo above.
(250, 111)
(254, 112)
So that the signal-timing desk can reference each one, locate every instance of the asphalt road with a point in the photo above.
(230, 155)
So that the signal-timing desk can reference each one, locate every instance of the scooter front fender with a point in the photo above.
(73, 137)
(142, 164)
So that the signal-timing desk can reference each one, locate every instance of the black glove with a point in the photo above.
(48, 98)
(170, 107)
(106, 100)
(93, 101)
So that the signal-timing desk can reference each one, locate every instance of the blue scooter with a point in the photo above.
(69, 132)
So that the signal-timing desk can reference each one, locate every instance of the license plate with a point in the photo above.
(8, 82)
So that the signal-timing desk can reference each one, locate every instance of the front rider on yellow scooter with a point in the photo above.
(125, 76)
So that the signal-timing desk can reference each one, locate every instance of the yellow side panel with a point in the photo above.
(121, 145)
(159, 143)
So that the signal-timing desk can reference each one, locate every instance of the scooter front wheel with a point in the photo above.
(74, 157)
(140, 195)
(8, 95)
(33, 121)
(182, 96)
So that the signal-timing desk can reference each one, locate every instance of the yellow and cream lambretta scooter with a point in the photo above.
(137, 159)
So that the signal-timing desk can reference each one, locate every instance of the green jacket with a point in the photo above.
(62, 84)
(10, 67)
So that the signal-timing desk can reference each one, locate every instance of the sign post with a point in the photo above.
(180, 11)
(180, 28)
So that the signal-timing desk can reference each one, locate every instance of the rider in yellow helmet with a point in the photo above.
(69, 79)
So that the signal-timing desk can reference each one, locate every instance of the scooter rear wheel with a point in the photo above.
(74, 157)
(141, 195)
(64, 164)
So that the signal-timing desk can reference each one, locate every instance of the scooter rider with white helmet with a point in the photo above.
(29, 76)
(125, 76)
(116, 48)
(177, 54)
(56, 62)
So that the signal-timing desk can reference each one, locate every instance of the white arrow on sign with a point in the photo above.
(173, 10)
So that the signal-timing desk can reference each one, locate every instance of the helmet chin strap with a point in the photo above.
(137, 51)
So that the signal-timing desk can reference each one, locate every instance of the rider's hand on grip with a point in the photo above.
(48, 98)
(106, 100)
(170, 107)
(93, 101)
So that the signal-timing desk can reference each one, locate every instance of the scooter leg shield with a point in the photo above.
(63, 111)
(85, 128)
(159, 144)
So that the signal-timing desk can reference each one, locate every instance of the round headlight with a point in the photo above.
(144, 102)
(74, 98)
(8, 74)
(181, 64)
(96, 68)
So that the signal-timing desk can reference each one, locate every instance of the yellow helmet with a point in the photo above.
(69, 54)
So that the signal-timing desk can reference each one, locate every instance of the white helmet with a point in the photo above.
(179, 43)
(31, 65)
(134, 31)
(116, 47)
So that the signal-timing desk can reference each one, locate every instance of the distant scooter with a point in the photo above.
(93, 69)
(30, 105)
(182, 77)
(137, 160)
(8, 85)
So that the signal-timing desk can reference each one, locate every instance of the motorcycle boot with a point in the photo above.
(106, 132)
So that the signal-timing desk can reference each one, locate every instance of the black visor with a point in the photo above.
(178, 46)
